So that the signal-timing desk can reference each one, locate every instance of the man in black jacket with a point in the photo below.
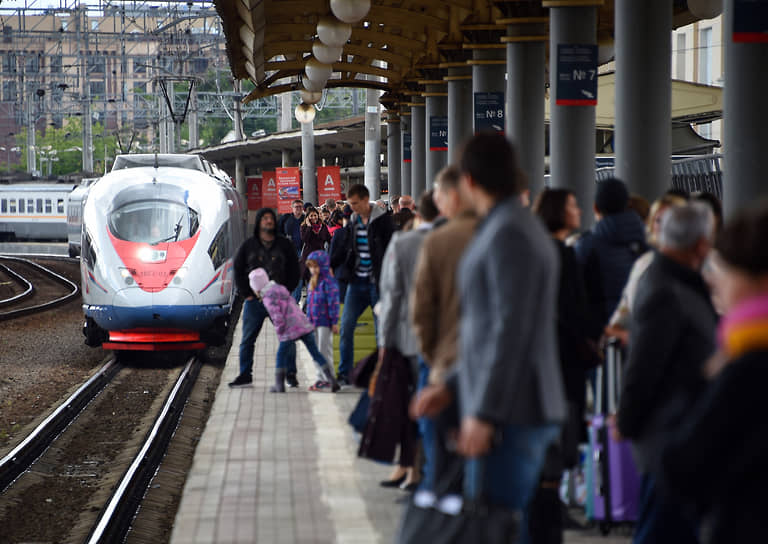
(671, 337)
(358, 261)
(275, 254)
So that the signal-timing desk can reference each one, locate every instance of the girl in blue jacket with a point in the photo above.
(322, 308)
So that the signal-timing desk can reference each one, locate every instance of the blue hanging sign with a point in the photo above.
(438, 133)
(576, 75)
(489, 112)
(750, 21)
(407, 147)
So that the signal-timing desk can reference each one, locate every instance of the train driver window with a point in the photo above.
(153, 222)
(48, 206)
(60, 206)
(12, 205)
(39, 205)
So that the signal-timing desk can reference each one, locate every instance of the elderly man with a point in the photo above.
(672, 334)
(406, 201)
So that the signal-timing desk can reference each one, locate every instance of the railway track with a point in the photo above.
(123, 478)
(39, 288)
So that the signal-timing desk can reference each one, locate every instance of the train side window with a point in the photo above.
(39, 205)
(12, 205)
(48, 206)
(60, 206)
(219, 249)
(30, 206)
(3, 206)
(22, 205)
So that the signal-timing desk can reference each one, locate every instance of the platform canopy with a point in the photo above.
(402, 43)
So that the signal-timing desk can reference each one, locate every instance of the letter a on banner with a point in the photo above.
(331, 183)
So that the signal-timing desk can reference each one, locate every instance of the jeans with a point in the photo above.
(510, 472)
(659, 520)
(254, 314)
(296, 294)
(359, 296)
(428, 434)
(285, 348)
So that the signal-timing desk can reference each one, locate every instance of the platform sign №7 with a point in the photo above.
(576, 75)
(489, 112)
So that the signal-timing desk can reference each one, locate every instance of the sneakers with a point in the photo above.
(291, 380)
(241, 381)
(343, 381)
(320, 385)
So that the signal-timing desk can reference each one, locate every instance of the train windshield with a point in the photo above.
(153, 221)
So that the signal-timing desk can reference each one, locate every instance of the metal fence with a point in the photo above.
(702, 174)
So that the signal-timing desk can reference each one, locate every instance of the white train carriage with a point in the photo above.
(34, 211)
(157, 253)
(75, 202)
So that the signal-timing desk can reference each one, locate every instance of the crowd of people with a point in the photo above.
(491, 318)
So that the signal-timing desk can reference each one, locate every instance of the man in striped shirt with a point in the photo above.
(369, 231)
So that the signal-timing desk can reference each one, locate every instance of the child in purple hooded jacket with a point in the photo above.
(322, 308)
(290, 324)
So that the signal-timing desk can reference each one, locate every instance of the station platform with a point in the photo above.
(283, 468)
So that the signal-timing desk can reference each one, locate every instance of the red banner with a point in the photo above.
(328, 183)
(255, 195)
(288, 187)
(268, 189)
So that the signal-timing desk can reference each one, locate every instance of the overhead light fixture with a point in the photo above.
(309, 97)
(333, 32)
(350, 11)
(305, 113)
(313, 86)
(326, 53)
(317, 71)
(705, 9)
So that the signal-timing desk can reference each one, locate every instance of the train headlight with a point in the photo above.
(149, 255)
(127, 276)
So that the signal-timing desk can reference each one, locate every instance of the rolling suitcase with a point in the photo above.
(615, 480)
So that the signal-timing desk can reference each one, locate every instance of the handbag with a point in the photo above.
(359, 415)
(453, 519)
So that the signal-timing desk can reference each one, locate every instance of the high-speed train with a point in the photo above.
(159, 234)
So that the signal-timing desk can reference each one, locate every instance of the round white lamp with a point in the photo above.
(305, 113)
(706, 9)
(333, 32)
(326, 53)
(312, 86)
(350, 11)
(309, 97)
(317, 71)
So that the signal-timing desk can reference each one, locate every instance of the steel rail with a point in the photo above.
(28, 288)
(116, 517)
(75, 290)
(22, 456)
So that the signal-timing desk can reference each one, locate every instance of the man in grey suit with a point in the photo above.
(507, 380)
